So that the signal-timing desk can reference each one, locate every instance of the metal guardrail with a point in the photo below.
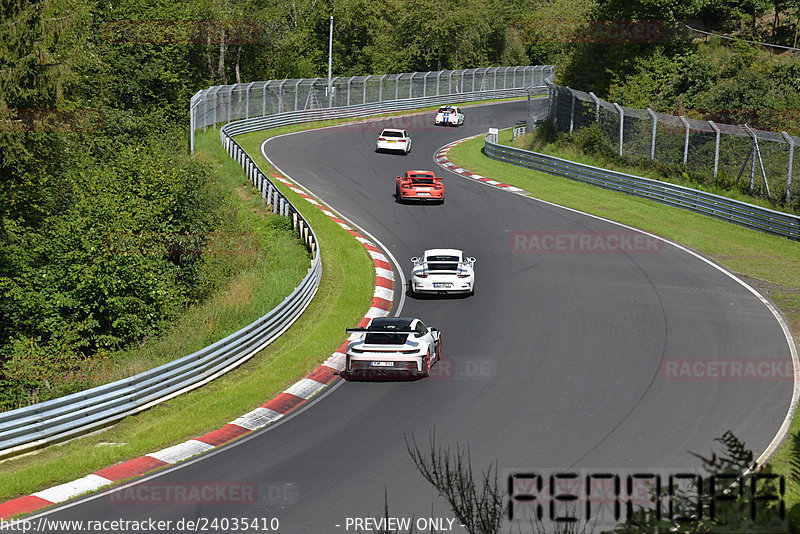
(726, 209)
(38, 425)
(64, 418)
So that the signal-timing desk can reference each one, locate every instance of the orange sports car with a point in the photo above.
(419, 185)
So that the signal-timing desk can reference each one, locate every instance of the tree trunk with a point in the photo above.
(221, 65)
(238, 55)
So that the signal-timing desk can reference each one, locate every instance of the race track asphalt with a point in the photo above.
(559, 360)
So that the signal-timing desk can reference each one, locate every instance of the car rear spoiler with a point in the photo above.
(362, 329)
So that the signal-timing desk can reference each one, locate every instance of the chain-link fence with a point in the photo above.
(226, 103)
(735, 153)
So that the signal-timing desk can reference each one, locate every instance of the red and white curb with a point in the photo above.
(441, 159)
(266, 414)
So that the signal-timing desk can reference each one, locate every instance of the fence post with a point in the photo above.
(438, 75)
(297, 93)
(397, 86)
(494, 86)
(191, 128)
(716, 149)
(653, 140)
(515, 77)
(474, 72)
(621, 123)
(789, 139)
(686, 141)
(380, 88)
(450, 83)
(461, 89)
(205, 111)
(364, 98)
(571, 109)
(247, 100)
(230, 101)
(411, 84)
(425, 84)
(349, 80)
(553, 111)
(596, 108)
(280, 96)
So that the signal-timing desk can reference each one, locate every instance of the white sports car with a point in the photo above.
(449, 116)
(395, 140)
(443, 270)
(393, 346)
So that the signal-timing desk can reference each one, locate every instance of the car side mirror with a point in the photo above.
(471, 260)
(414, 260)
(434, 329)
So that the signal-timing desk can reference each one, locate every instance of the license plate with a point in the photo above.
(381, 364)
(442, 284)
(390, 141)
(423, 194)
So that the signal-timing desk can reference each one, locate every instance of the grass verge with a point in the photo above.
(342, 298)
(567, 147)
(770, 263)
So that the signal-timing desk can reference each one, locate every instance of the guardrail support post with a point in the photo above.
(621, 125)
(790, 140)
(653, 139)
(716, 150)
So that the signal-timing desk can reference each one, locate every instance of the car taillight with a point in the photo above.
(381, 139)
(421, 276)
(401, 140)
(439, 186)
(463, 276)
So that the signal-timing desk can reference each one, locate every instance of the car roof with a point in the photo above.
(443, 252)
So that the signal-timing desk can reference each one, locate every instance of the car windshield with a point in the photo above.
(389, 133)
(442, 266)
(420, 176)
(427, 181)
(385, 338)
(445, 109)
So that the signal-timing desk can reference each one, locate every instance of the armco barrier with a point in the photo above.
(726, 209)
(60, 419)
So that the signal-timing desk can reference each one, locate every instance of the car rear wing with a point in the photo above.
(371, 331)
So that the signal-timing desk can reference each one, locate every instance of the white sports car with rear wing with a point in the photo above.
(443, 270)
(393, 346)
